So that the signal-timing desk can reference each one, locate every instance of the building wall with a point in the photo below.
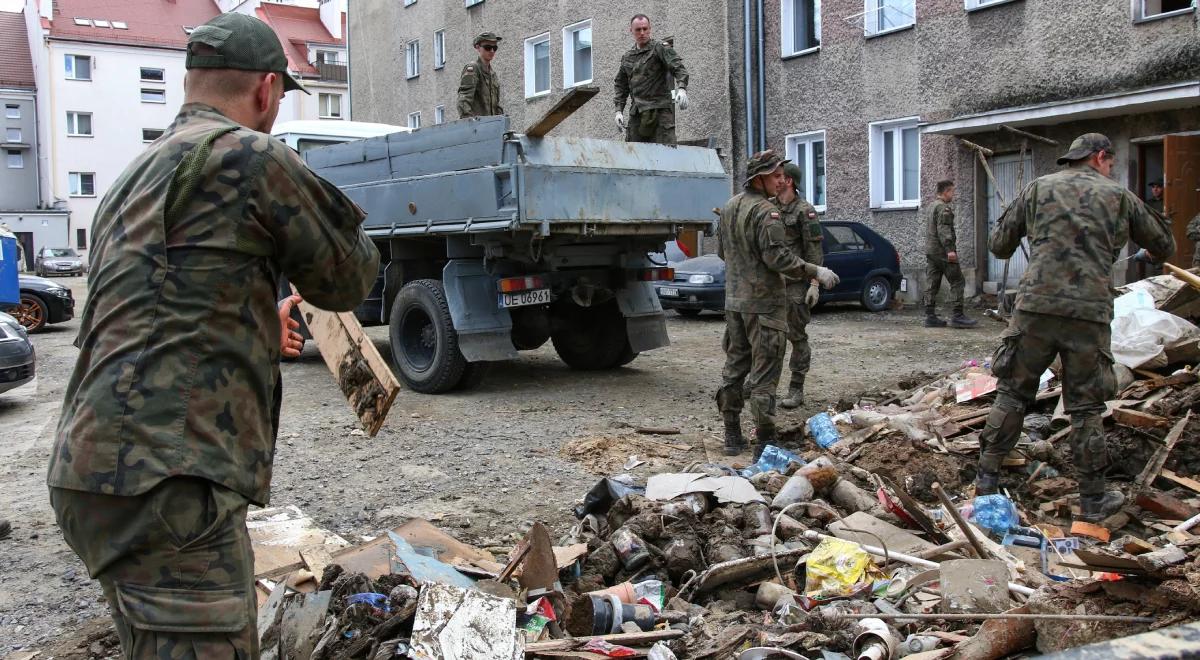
(48, 229)
(19, 187)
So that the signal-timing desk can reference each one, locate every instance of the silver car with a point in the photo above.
(16, 354)
(58, 261)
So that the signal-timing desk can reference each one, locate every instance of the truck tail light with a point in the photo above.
(656, 274)
(517, 284)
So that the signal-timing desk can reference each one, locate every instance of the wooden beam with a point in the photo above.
(1181, 274)
(1138, 419)
(566, 106)
(978, 149)
(1155, 465)
(1190, 484)
(1031, 136)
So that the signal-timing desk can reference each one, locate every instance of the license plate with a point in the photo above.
(904, 285)
(65, 267)
(670, 292)
(535, 297)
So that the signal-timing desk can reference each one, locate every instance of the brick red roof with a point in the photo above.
(297, 27)
(157, 23)
(16, 67)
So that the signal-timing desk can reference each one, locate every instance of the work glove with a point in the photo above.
(812, 295)
(680, 98)
(620, 119)
(827, 278)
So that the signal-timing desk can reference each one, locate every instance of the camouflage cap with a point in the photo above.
(763, 162)
(793, 172)
(1084, 146)
(487, 36)
(241, 42)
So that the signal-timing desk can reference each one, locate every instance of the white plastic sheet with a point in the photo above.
(1141, 336)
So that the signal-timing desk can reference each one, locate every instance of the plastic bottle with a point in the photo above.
(773, 458)
(996, 513)
(822, 429)
(797, 489)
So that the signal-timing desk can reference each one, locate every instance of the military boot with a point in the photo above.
(961, 321)
(795, 397)
(987, 483)
(1095, 508)
(762, 438)
(932, 321)
(735, 443)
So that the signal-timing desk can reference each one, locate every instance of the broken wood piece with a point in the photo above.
(1136, 546)
(1187, 277)
(1027, 134)
(1081, 528)
(650, 430)
(980, 551)
(1155, 465)
(316, 558)
(983, 151)
(1138, 419)
(1164, 506)
(1190, 484)
(624, 639)
(563, 108)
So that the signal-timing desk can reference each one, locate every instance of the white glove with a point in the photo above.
(812, 295)
(827, 278)
(620, 119)
(680, 96)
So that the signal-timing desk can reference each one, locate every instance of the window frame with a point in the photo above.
(324, 100)
(78, 176)
(471, 3)
(74, 59)
(879, 33)
(409, 3)
(161, 131)
(808, 186)
(439, 49)
(829, 228)
(568, 54)
(9, 155)
(877, 170)
(411, 116)
(530, 66)
(73, 126)
(8, 131)
(787, 36)
(153, 93)
(12, 110)
(80, 238)
(439, 115)
(412, 59)
(978, 5)
(1138, 7)
(143, 69)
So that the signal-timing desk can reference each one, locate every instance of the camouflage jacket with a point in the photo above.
(1193, 234)
(643, 77)
(1077, 221)
(940, 238)
(479, 91)
(754, 244)
(803, 231)
(178, 368)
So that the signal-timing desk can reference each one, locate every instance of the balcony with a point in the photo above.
(332, 72)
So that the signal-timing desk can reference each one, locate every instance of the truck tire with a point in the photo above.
(590, 338)
(473, 375)
(627, 355)
(424, 343)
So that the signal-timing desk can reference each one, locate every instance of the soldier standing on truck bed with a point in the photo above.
(803, 231)
(169, 419)
(754, 245)
(645, 79)
(1077, 220)
(479, 87)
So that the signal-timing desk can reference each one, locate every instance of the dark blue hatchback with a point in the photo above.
(866, 262)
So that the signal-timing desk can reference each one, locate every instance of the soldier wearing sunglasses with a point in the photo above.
(479, 87)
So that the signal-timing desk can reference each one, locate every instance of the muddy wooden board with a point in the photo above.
(279, 534)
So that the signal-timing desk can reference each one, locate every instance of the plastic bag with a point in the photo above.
(1140, 338)
(996, 513)
(838, 568)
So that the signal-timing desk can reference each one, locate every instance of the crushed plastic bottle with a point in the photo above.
(996, 513)
(773, 458)
(822, 429)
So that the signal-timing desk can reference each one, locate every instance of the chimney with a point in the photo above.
(331, 17)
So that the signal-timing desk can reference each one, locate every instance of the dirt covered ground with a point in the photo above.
(484, 464)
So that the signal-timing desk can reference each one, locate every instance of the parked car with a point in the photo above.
(42, 302)
(866, 262)
(16, 354)
(58, 261)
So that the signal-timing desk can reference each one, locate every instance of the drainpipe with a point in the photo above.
(762, 99)
(749, 129)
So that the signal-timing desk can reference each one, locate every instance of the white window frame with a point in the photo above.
(568, 54)
(75, 184)
(974, 5)
(787, 32)
(409, 3)
(439, 114)
(143, 69)
(1139, 12)
(153, 93)
(414, 120)
(73, 124)
(472, 3)
(412, 59)
(875, 159)
(69, 72)
(9, 132)
(792, 147)
(531, 44)
(160, 134)
(14, 159)
(439, 49)
(12, 110)
(871, 14)
(324, 100)
(330, 56)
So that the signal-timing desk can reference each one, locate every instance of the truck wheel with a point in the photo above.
(424, 343)
(590, 338)
(627, 355)
(473, 375)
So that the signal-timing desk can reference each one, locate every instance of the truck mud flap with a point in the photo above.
(645, 323)
(484, 329)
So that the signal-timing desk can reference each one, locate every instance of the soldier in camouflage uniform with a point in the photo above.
(754, 245)
(1077, 220)
(803, 231)
(479, 86)
(644, 78)
(169, 419)
(1156, 196)
(941, 258)
(1193, 234)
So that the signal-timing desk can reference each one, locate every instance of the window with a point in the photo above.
(79, 123)
(801, 26)
(980, 4)
(886, 15)
(80, 238)
(439, 114)
(472, 3)
(120, 25)
(537, 65)
(154, 95)
(12, 135)
(1150, 9)
(16, 160)
(840, 238)
(85, 22)
(409, 3)
(82, 184)
(331, 106)
(151, 134)
(99, 22)
(412, 59)
(414, 120)
(577, 54)
(12, 111)
(149, 74)
(439, 49)
(807, 151)
(328, 57)
(79, 67)
(895, 164)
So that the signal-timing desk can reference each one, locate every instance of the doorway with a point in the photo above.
(1011, 175)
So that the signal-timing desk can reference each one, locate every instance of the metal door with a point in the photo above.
(1007, 170)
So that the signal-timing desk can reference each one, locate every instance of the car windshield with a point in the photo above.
(60, 252)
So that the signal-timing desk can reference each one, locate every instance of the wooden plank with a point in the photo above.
(1138, 419)
(623, 639)
(363, 375)
(1190, 484)
(1155, 465)
(1191, 279)
(566, 106)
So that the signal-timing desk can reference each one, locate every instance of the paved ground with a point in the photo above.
(482, 463)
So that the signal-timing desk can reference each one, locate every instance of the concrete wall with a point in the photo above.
(19, 186)
(48, 229)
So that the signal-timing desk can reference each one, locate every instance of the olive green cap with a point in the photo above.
(793, 172)
(487, 36)
(242, 42)
(1085, 145)
(763, 162)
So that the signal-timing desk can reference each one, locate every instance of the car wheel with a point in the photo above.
(31, 313)
(690, 313)
(877, 294)
(424, 343)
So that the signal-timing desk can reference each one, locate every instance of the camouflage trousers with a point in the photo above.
(1027, 349)
(656, 125)
(175, 565)
(935, 268)
(799, 314)
(754, 345)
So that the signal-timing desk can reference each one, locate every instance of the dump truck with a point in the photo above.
(495, 242)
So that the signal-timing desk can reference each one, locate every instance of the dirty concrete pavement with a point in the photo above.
(483, 464)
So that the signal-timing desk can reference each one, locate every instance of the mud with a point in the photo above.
(359, 384)
(913, 468)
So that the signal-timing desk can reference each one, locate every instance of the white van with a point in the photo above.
(305, 134)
